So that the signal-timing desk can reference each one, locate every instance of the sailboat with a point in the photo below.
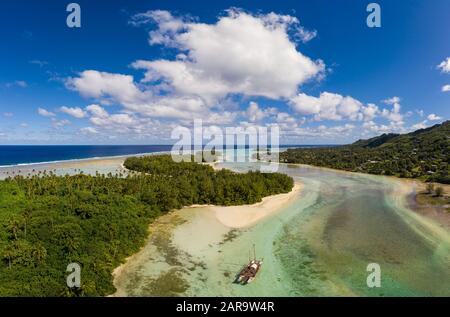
(249, 271)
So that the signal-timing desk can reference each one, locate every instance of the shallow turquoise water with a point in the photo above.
(356, 220)
(319, 245)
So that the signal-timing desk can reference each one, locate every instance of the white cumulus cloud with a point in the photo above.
(57, 124)
(433, 117)
(328, 106)
(88, 130)
(254, 113)
(74, 112)
(45, 113)
(108, 86)
(392, 100)
(444, 66)
(240, 54)
(394, 115)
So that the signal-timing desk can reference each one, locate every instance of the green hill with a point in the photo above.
(420, 154)
(376, 141)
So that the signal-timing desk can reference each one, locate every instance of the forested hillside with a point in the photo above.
(421, 154)
(49, 221)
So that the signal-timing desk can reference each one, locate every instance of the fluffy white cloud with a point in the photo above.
(305, 104)
(254, 113)
(180, 107)
(332, 133)
(369, 112)
(445, 88)
(284, 117)
(106, 86)
(336, 129)
(45, 113)
(328, 106)
(393, 115)
(433, 117)
(418, 126)
(123, 123)
(240, 54)
(88, 130)
(59, 123)
(97, 111)
(444, 66)
(287, 123)
(392, 100)
(371, 127)
(121, 88)
(121, 119)
(74, 112)
(226, 117)
(168, 26)
(305, 35)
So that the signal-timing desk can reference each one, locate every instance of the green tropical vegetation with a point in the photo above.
(49, 221)
(422, 154)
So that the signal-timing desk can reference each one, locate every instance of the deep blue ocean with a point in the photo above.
(27, 154)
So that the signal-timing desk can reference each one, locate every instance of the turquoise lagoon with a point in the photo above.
(318, 245)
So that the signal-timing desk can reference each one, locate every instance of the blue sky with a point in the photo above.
(137, 69)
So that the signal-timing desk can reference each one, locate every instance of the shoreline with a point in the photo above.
(76, 160)
(415, 182)
(446, 186)
(411, 187)
(242, 216)
(237, 217)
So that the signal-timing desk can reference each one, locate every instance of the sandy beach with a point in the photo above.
(90, 166)
(247, 215)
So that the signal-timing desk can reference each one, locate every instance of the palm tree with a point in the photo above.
(39, 253)
(13, 227)
(8, 254)
(27, 217)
